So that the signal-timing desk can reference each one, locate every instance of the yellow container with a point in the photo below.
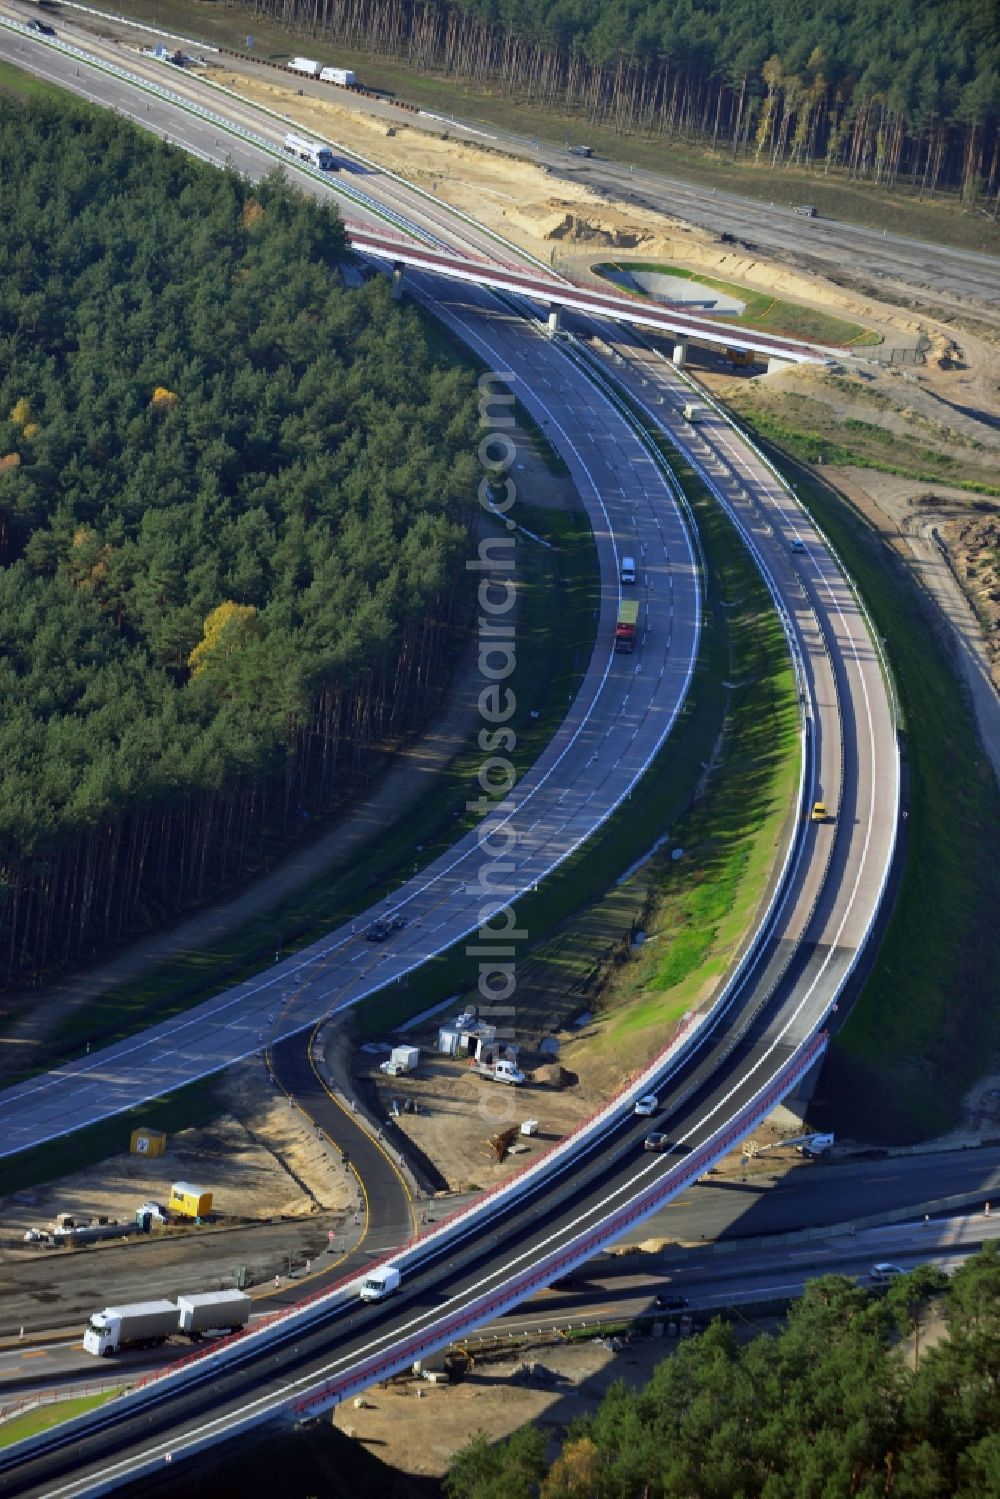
(189, 1201)
(148, 1142)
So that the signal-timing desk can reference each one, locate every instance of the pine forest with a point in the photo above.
(886, 91)
(232, 505)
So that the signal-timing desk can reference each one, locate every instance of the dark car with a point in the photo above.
(378, 931)
(667, 1303)
(656, 1142)
(397, 922)
(42, 27)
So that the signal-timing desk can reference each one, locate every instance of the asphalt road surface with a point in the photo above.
(620, 717)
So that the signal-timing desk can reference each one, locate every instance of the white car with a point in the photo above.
(646, 1106)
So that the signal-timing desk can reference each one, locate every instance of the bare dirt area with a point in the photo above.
(418, 1427)
(276, 1190)
(262, 1160)
(460, 1113)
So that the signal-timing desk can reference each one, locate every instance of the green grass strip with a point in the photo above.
(805, 445)
(16, 84)
(54, 1413)
(761, 310)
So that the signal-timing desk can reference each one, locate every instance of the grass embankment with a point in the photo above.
(44, 1417)
(762, 312)
(555, 580)
(189, 1108)
(926, 1022)
(695, 910)
(701, 906)
(18, 85)
(810, 430)
(943, 221)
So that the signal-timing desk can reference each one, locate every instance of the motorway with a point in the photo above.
(952, 277)
(623, 712)
(620, 717)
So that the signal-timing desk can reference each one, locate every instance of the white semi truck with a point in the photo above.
(308, 66)
(146, 1324)
(314, 152)
(139, 1324)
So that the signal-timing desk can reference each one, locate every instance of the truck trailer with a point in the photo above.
(141, 1324)
(626, 626)
(212, 1311)
(343, 76)
(308, 66)
(146, 1324)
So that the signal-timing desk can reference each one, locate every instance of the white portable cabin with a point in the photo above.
(448, 1041)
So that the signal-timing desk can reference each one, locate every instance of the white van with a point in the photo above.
(379, 1283)
(628, 569)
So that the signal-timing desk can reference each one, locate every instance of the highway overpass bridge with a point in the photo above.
(558, 294)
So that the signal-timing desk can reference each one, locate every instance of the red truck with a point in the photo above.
(627, 625)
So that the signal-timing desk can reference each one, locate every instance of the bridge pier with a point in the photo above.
(680, 353)
(555, 319)
(396, 289)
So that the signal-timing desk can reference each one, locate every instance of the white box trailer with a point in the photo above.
(406, 1058)
(213, 1311)
(305, 65)
(344, 76)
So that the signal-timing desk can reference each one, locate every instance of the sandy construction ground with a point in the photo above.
(951, 402)
(261, 1161)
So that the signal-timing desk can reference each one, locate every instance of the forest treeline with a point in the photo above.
(830, 1407)
(232, 503)
(886, 90)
